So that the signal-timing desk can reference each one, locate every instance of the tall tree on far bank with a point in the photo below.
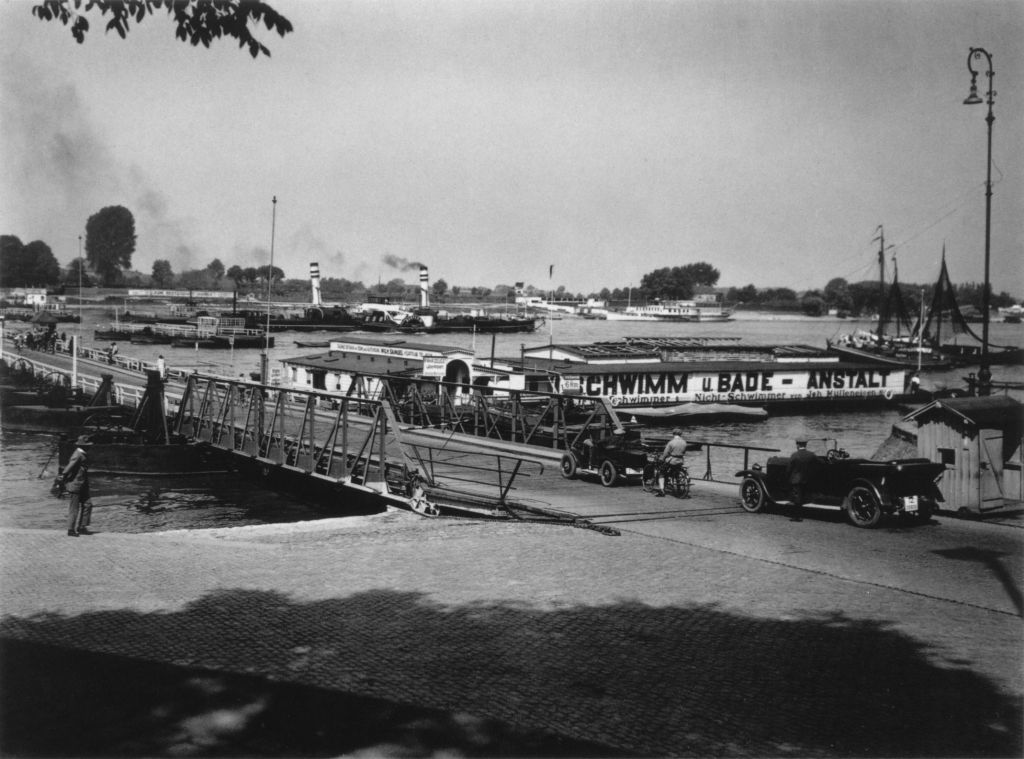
(265, 271)
(12, 261)
(236, 274)
(702, 273)
(196, 21)
(216, 270)
(678, 281)
(31, 265)
(78, 272)
(110, 242)
(43, 265)
(163, 274)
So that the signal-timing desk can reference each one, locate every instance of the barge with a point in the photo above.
(662, 372)
(652, 376)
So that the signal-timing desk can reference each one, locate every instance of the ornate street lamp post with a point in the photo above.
(976, 53)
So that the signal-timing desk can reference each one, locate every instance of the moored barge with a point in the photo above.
(637, 373)
(659, 372)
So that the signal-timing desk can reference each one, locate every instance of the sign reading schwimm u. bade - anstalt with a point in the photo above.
(652, 387)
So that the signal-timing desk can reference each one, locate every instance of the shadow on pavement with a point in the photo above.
(992, 560)
(637, 679)
(62, 702)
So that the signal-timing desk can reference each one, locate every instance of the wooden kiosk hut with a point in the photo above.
(979, 441)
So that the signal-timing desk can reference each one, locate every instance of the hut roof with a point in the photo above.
(993, 411)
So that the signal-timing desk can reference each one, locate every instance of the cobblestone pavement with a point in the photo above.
(635, 643)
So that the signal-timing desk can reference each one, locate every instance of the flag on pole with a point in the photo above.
(551, 271)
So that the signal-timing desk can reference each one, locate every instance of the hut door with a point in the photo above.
(991, 475)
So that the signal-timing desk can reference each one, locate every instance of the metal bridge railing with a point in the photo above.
(723, 460)
(345, 440)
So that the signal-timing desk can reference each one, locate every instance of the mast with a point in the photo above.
(896, 288)
(881, 282)
(920, 333)
(937, 299)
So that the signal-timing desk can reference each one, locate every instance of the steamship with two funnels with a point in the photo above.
(379, 314)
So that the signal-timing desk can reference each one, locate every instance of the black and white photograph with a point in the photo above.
(512, 378)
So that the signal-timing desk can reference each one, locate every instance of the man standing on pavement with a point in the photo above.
(673, 455)
(801, 466)
(75, 479)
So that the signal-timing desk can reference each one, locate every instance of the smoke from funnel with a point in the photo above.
(397, 262)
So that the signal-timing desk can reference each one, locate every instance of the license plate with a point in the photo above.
(910, 503)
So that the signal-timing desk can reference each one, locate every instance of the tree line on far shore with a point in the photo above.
(110, 239)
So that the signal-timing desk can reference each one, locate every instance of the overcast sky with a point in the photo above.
(490, 140)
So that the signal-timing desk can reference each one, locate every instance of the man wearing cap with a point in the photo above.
(673, 455)
(801, 466)
(75, 478)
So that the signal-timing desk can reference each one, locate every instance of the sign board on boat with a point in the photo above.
(434, 366)
(643, 388)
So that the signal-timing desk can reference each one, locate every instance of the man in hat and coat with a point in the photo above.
(802, 464)
(673, 455)
(75, 480)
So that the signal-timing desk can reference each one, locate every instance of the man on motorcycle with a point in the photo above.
(672, 456)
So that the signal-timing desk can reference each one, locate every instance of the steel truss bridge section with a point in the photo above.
(520, 417)
(352, 448)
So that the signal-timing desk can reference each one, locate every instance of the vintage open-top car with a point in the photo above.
(866, 490)
(619, 456)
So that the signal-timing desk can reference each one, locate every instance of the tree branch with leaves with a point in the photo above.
(199, 22)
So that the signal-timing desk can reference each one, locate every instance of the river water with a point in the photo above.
(143, 504)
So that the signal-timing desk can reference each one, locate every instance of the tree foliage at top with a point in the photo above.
(199, 22)
(31, 265)
(110, 242)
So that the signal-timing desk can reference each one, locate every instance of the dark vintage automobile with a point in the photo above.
(616, 457)
(867, 491)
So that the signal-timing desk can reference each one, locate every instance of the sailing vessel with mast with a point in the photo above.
(905, 348)
(944, 309)
(923, 345)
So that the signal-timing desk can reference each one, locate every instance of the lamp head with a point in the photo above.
(973, 98)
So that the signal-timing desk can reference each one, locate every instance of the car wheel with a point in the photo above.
(752, 496)
(863, 507)
(609, 474)
(568, 466)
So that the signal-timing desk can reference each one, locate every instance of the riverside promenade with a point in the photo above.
(700, 630)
